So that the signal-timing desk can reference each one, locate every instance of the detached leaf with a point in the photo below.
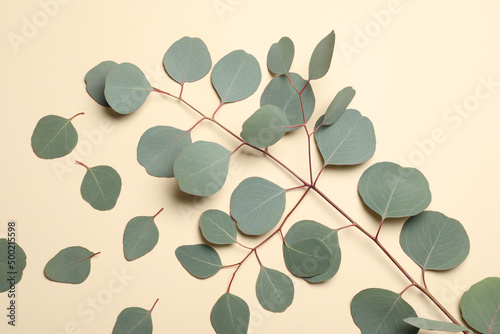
(321, 57)
(101, 187)
(339, 105)
(96, 79)
(54, 137)
(140, 237)
(230, 315)
(201, 261)
(435, 325)
(280, 56)
(265, 127)
(307, 257)
(274, 290)
(480, 305)
(8, 266)
(218, 227)
(70, 265)
(134, 320)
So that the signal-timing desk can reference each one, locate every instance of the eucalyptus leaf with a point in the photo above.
(101, 187)
(435, 325)
(134, 320)
(201, 260)
(70, 265)
(54, 137)
(218, 227)
(230, 315)
(274, 290)
(265, 127)
(307, 257)
(140, 237)
(12, 264)
(480, 306)
(321, 58)
(96, 79)
(280, 56)
(339, 105)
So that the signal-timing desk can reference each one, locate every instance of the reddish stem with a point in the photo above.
(157, 213)
(82, 113)
(81, 163)
(380, 227)
(152, 308)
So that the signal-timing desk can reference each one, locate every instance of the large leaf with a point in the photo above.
(201, 260)
(96, 79)
(158, 148)
(12, 264)
(101, 187)
(379, 311)
(280, 56)
(201, 168)
(307, 257)
(54, 137)
(140, 237)
(339, 105)
(265, 127)
(349, 141)
(435, 325)
(257, 205)
(274, 290)
(134, 320)
(187, 60)
(434, 241)
(70, 265)
(230, 315)
(218, 227)
(393, 191)
(126, 88)
(480, 306)
(321, 58)
(236, 76)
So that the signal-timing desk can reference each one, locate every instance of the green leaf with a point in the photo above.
(393, 191)
(280, 56)
(230, 315)
(279, 92)
(101, 187)
(434, 325)
(134, 320)
(265, 127)
(257, 205)
(349, 141)
(158, 148)
(54, 137)
(339, 105)
(187, 60)
(306, 229)
(126, 88)
(307, 257)
(12, 264)
(434, 241)
(95, 80)
(70, 265)
(480, 305)
(201, 260)
(274, 290)
(236, 76)
(201, 168)
(140, 237)
(218, 227)
(321, 57)
(379, 311)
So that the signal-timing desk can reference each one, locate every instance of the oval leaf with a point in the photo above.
(101, 187)
(236, 76)
(95, 80)
(201, 261)
(307, 257)
(140, 237)
(12, 264)
(434, 325)
(280, 56)
(201, 168)
(257, 205)
(339, 105)
(393, 191)
(321, 57)
(274, 290)
(70, 265)
(379, 311)
(158, 148)
(265, 127)
(134, 320)
(54, 137)
(230, 315)
(218, 227)
(434, 241)
(480, 305)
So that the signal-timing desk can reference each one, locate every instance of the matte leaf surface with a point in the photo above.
(230, 315)
(321, 57)
(480, 306)
(96, 79)
(274, 290)
(12, 264)
(339, 105)
(201, 260)
(218, 227)
(101, 187)
(140, 237)
(265, 127)
(53, 137)
(280, 56)
(70, 265)
(307, 257)
(434, 325)
(133, 320)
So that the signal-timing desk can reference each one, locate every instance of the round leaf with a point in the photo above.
(307, 257)
(393, 191)
(274, 290)
(321, 57)
(339, 105)
(201, 261)
(133, 320)
(201, 168)
(101, 187)
(140, 237)
(230, 315)
(53, 137)
(480, 305)
(257, 205)
(434, 325)
(12, 264)
(70, 265)
(265, 127)
(95, 80)
(434, 241)
(218, 227)
(280, 56)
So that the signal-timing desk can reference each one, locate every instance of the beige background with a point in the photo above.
(412, 73)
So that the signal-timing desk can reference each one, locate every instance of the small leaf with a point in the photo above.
(70, 265)
(12, 264)
(280, 56)
(126, 88)
(158, 148)
(54, 137)
(101, 187)
(187, 60)
(435, 325)
(274, 290)
(307, 257)
(230, 315)
(201, 261)
(95, 80)
(201, 168)
(434, 241)
(218, 227)
(339, 105)
(265, 127)
(379, 311)
(480, 305)
(140, 237)
(134, 320)
(236, 76)
(393, 191)
(257, 205)
(321, 57)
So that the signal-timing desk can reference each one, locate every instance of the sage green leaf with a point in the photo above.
(480, 305)
(274, 290)
(134, 320)
(307, 257)
(265, 127)
(201, 168)
(158, 148)
(279, 92)
(126, 88)
(101, 187)
(236, 76)
(201, 261)
(280, 56)
(393, 191)
(434, 241)
(338, 105)
(230, 315)
(53, 137)
(70, 265)
(218, 227)
(96, 79)
(140, 237)
(379, 311)
(435, 325)
(349, 141)
(187, 60)
(257, 205)
(321, 58)
(12, 264)
(306, 229)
